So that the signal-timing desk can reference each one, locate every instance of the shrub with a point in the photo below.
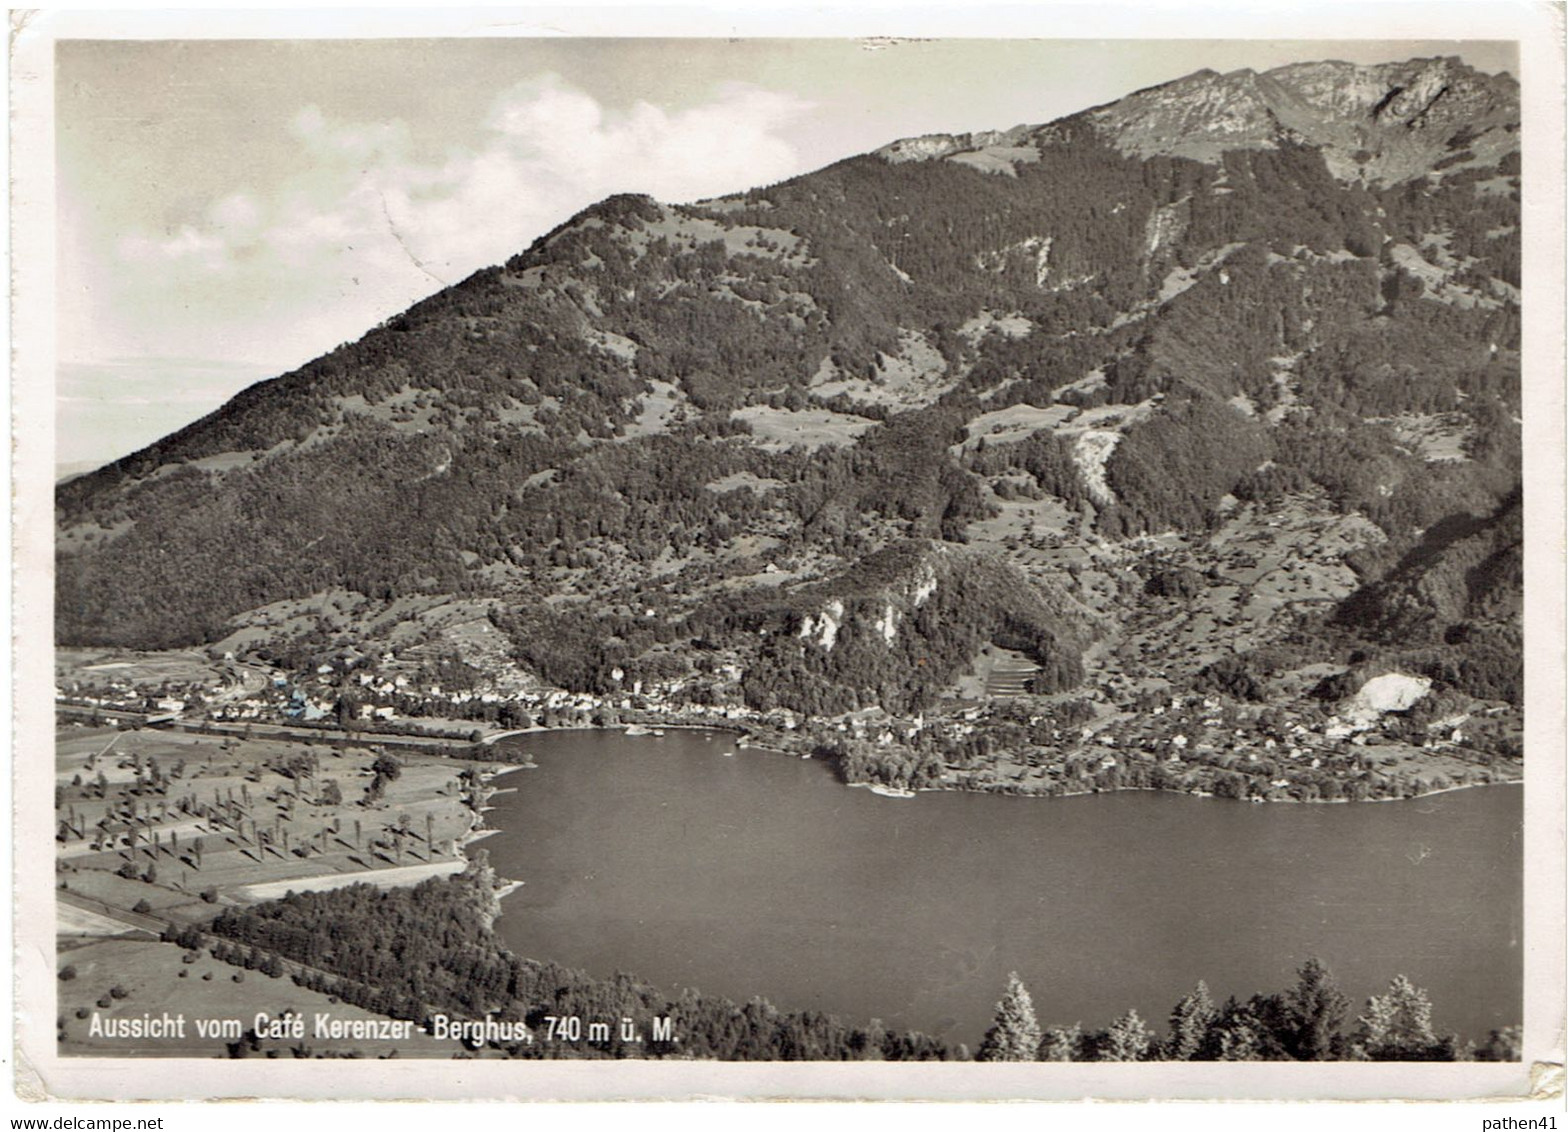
(67, 973)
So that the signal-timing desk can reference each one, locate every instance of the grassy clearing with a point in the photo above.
(913, 377)
(121, 892)
(101, 668)
(1013, 325)
(1002, 426)
(779, 429)
(393, 877)
(73, 921)
(1437, 437)
(749, 480)
(659, 408)
(1023, 521)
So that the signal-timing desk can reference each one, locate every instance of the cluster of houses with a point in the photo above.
(1178, 731)
(123, 696)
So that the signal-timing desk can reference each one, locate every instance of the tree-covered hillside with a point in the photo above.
(665, 424)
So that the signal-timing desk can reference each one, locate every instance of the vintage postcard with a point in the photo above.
(986, 554)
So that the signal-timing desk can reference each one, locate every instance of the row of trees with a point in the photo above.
(1309, 1021)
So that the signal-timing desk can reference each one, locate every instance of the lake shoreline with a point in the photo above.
(753, 737)
(748, 741)
(1208, 794)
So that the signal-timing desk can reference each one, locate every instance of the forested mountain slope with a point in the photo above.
(1014, 361)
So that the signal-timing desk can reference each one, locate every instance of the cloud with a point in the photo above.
(187, 244)
(368, 228)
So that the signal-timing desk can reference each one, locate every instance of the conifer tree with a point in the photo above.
(1015, 1034)
(1314, 1011)
(1190, 1022)
(1240, 1039)
(1062, 1043)
(1398, 1025)
(1128, 1039)
(1502, 1045)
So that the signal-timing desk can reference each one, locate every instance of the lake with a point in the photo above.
(761, 874)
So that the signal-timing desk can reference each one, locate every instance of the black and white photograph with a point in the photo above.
(607, 556)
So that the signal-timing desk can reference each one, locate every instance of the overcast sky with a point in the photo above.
(229, 210)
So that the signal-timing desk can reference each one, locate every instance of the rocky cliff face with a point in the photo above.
(896, 628)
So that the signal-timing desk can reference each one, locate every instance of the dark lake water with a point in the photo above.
(761, 874)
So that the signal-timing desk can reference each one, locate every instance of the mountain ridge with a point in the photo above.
(1055, 343)
(1344, 108)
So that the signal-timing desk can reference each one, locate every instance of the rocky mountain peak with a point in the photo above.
(1417, 93)
(1200, 116)
(1383, 122)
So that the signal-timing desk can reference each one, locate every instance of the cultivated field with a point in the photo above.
(159, 828)
(208, 812)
